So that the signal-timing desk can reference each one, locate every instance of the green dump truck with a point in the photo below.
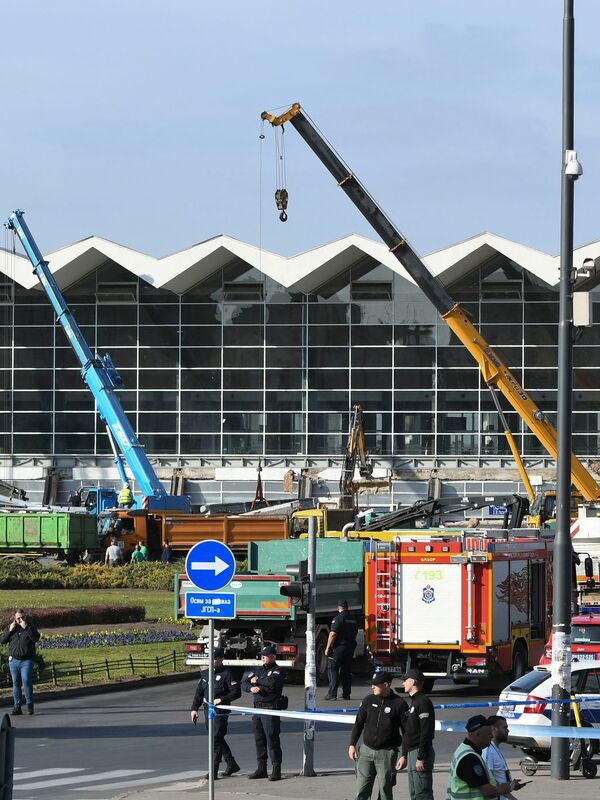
(264, 616)
(65, 535)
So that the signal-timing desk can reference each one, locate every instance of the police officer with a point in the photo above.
(469, 775)
(266, 684)
(417, 745)
(227, 689)
(339, 650)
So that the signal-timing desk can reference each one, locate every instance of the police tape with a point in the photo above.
(343, 717)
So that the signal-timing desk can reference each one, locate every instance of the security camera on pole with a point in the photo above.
(210, 565)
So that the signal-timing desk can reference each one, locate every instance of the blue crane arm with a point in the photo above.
(98, 372)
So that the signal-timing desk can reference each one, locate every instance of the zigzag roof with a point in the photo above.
(303, 272)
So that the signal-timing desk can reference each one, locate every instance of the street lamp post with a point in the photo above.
(563, 550)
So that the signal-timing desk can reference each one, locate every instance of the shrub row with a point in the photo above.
(62, 641)
(17, 574)
(90, 615)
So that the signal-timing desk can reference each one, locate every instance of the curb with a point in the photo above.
(106, 688)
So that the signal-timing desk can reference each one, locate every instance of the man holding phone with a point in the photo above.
(493, 756)
(21, 636)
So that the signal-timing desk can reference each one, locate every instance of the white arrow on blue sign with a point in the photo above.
(210, 565)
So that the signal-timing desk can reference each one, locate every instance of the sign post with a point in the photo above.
(210, 565)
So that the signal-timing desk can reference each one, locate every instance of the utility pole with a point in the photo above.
(563, 549)
(310, 669)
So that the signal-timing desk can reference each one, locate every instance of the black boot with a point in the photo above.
(275, 773)
(29, 708)
(16, 711)
(232, 766)
(260, 771)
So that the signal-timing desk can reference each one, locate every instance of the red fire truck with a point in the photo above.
(461, 606)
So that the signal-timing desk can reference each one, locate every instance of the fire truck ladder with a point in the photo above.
(385, 586)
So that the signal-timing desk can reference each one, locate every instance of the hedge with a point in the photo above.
(17, 574)
(88, 615)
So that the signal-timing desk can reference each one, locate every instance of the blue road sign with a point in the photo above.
(210, 565)
(210, 605)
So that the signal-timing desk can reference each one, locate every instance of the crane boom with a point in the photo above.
(101, 377)
(495, 373)
(356, 450)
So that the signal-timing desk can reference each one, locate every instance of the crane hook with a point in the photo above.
(281, 201)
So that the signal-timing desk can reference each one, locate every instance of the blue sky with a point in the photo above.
(139, 120)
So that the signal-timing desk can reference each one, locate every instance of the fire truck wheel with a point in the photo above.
(519, 660)
(321, 659)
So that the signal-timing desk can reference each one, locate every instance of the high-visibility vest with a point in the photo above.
(457, 788)
(125, 496)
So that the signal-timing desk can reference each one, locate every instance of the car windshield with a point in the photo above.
(529, 681)
(585, 634)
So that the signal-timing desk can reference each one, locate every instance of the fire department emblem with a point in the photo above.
(428, 594)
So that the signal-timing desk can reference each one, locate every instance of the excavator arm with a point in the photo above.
(356, 451)
(495, 373)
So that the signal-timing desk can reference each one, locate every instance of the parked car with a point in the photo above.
(537, 686)
(585, 639)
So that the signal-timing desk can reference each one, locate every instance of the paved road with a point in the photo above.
(96, 747)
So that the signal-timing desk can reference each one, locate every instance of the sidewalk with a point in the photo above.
(341, 785)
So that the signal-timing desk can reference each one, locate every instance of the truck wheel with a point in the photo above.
(520, 666)
(321, 658)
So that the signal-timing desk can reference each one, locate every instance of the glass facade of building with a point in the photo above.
(238, 365)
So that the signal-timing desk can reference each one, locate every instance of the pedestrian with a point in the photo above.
(469, 775)
(125, 497)
(114, 555)
(379, 720)
(266, 684)
(165, 557)
(136, 556)
(144, 551)
(494, 757)
(417, 746)
(339, 650)
(227, 689)
(21, 635)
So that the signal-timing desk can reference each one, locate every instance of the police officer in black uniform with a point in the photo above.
(341, 644)
(227, 690)
(266, 684)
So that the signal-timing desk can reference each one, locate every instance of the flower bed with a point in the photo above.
(110, 638)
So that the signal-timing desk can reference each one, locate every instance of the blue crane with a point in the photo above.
(102, 379)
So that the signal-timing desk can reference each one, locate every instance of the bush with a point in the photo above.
(17, 574)
(89, 615)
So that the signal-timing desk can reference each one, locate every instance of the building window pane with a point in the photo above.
(158, 401)
(372, 400)
(328, 379)
(328, 336)
(30, 444)
(543, 313)
(204, 314)
(328, 357)
(328, 314)
(242, 401)
(201, 379)
(332, 445)
(75, 422)
(374, 335)
(447, 357)
(159, 315)
(157, 423)
(73, 443)
(207, 336)
(35, 379)
(285, 423)
(159, 443)
(34, 337)
(206, 443)
(372, 379)
(285, 314)
(243, 357)
(33, 401)
(284, 401)
(369, 357)
(192, 357)
(541, 334)
(117, 336)
(410, 335)
(328, 401)
(243, 314)
(414, 401)
(244, 423)
(541, 379)
(278, 336)
(34, 315)
(458, 445)
(415, 379)
(159, 337)
(239, 443)
(285, 357)
(158, 379)
(200, 401)
(586, 379)
(63, 358)
(502, 313)
(500, 335)
(457, 379)
(418, 423)
(284, 379)
(284, 445)
(413, 444)
(159, 357)
(242, 379)
(34, 423)
(249, 336)
(199, 423)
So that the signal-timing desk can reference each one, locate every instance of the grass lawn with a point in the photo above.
(158, 604)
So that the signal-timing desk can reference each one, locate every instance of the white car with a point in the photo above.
(537, 686)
